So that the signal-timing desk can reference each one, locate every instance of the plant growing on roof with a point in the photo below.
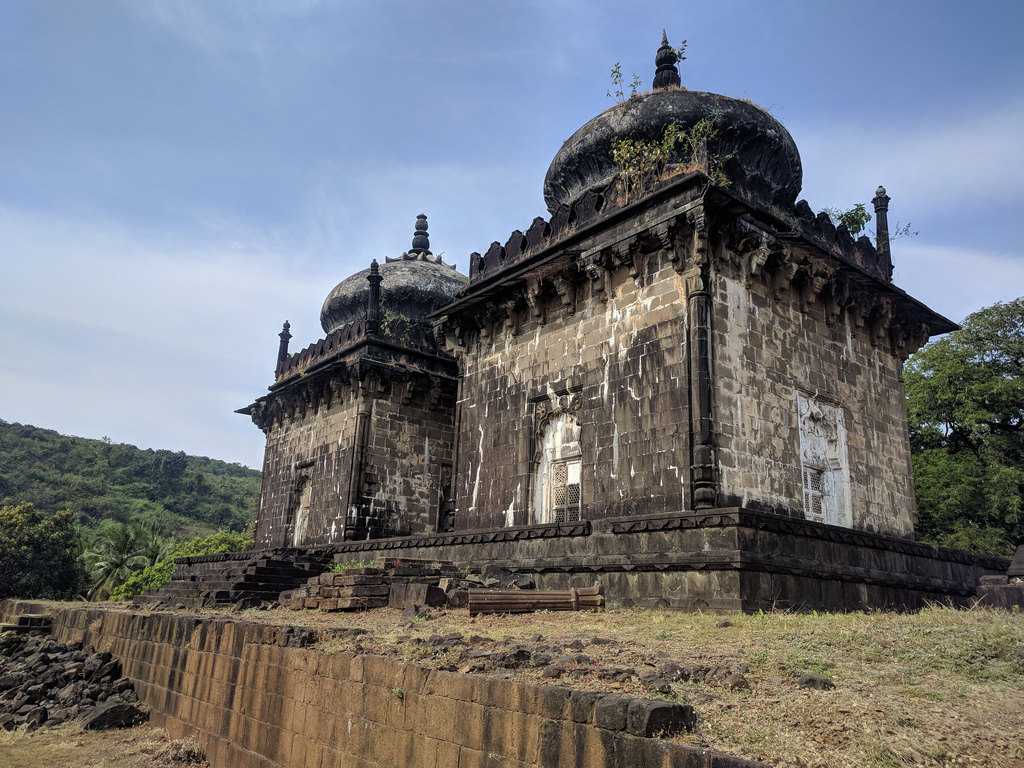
(616, 91)
(856, 219)
(641, 162)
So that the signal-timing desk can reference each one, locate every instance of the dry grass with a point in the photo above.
(144, 747)
(941, 687)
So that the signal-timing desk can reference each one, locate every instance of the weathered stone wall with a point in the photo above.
(252, 700)
(617, 363)
(402, 471)
(409, 457)
(768, 347)
(318, 444)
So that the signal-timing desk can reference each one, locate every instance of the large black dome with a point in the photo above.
(413, 285)
(760, 156)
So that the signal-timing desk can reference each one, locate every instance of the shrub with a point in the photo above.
(158, 574)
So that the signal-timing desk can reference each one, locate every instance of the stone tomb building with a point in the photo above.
(360, 425)
(684, 383)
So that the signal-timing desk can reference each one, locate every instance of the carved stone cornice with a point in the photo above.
(509, 312)
(597, 267)
(565, 287)
(818, 273)
(369, 377)
(534, 299)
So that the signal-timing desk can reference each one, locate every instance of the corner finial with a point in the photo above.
(666, 75)
(282, 348)
(373, 309)
(420, 238)
(882, 246)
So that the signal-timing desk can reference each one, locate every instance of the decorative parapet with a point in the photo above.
(334, 342)
(539, 236)
(417, 337)
(542, 234)
(544, 273)
(839, 242)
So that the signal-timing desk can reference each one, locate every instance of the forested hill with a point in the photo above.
(175, 493)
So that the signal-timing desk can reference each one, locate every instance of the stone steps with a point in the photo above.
(394, 582)
(234, 580)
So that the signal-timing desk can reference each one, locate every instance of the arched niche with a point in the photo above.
(558, 470)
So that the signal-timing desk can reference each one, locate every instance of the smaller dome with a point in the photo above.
(413, 286)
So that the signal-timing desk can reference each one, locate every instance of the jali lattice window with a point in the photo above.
(814, 482)
(564, 491)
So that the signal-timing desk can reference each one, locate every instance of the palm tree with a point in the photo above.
(151, 545)
(113, 556)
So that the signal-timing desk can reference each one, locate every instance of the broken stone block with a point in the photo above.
(646, 717)
(116, 715)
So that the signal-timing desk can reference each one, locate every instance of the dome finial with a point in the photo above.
(420, 238)
(666, 75)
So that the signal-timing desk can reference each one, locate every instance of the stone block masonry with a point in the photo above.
(255, 698)
(723, 559)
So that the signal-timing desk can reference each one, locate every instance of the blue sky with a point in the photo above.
(178, 177)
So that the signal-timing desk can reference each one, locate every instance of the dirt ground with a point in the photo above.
(143, 747)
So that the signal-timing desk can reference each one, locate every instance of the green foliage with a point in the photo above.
(616, 91)
(159, 573)
(681, 51)
(965, 406)
(38, 554)
(170, 493)
(353, 565)
(113, 552)
(642, 162)
(855, 218)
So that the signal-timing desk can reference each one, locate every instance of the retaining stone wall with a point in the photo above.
(254, 700)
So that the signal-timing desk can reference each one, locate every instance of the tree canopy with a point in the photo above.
(965, 407)
(39, 554)
(96, 480)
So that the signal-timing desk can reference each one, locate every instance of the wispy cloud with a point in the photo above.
(957, 281)
(972, 157)
(155, 338)
(226, 26)
(116, 332)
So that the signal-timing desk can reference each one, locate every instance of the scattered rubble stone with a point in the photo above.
(656, 681)
(115, 715)
(617, 674)
(726, 676)
(45, 683)
(818, 682)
